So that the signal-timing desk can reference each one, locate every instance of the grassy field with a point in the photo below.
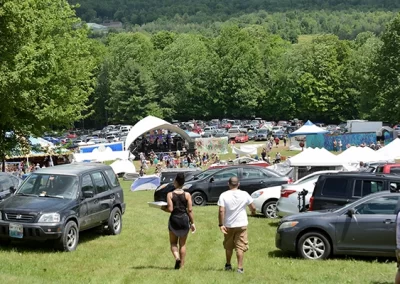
(141, 255)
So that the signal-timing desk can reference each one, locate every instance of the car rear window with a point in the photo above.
(395, 170)
(335, 187)
(112, 177)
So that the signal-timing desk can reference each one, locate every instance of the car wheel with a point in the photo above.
(269, 210)
(313, 245)
(69, 238)
(199, 199)
(115, 222)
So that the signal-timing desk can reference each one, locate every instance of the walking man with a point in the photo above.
(233, 221)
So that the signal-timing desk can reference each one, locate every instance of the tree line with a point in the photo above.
(247, 71)
(139, 12)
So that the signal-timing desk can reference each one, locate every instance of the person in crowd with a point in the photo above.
(181, 219)
(264, 154)
(278, 157)
(340, 145)
(233, 222)
(277, 141)
(335, 145)
(268, 159)
(141, 172)
(284, 141)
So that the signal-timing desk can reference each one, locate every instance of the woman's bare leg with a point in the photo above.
(182, 250)
(173, 240)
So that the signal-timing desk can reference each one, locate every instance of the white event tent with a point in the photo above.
(123, 166)
(391, 151)
(355, 155)
(315, 157)
(150, 123)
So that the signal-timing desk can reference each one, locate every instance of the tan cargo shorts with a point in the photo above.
(236, 239)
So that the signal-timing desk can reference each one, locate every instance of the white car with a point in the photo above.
(266, 199)
(288, 203)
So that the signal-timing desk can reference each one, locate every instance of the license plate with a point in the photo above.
(16, 231)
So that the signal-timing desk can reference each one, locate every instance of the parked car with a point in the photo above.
(160, 194)
(388, 169)
(364, 227)
(233, 132)
(252, 178)
(262, 135)
(289, 194)
(57, 203)
(239, 161)
(242, 138)
(8, 183)
(252, 134)
(335, 190)
(268, 201)
(168, 175)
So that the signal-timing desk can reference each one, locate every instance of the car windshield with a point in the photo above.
(47, 185)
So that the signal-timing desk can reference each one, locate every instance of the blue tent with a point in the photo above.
(308, 128)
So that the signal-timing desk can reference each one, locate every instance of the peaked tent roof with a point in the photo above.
(307, 129)
(318, 157)
(150, 123)
(392, 150)
(361, 154)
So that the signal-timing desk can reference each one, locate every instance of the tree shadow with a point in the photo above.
(282, 254)
(31, 246)
(379, 282)
(274, 224)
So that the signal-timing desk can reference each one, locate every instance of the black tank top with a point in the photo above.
(180, 203)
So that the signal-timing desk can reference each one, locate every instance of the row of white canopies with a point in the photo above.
(351, 156)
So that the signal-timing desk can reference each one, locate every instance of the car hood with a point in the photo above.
(35, 204)
(307, 215)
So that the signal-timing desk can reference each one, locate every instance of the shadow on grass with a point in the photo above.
(143, 267)
(378, 282)
(282, 254)
(274, 224)
(30, 246)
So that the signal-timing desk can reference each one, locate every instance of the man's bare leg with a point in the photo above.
(239, 255)
(228, 254)
(397, 279)
(182, 250)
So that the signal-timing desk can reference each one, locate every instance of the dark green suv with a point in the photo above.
(57, 203)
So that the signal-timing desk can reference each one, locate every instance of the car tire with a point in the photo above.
(269, 209)
(199, 198)
(314, 246)
(69, 238)
(115, 222)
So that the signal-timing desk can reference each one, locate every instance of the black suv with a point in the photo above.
(57, 203)
(209, 187)
(334, 190)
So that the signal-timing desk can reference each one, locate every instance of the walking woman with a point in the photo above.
(180, 221)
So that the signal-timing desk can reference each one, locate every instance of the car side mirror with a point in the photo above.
(88, 194)
(13, 189)
(350, 213)
(212, 179)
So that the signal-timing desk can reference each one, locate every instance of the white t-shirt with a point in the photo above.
(235, 202)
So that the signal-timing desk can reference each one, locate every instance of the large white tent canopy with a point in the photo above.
(123, 166)
(318, 157)
(392, 150)
(150, 123)
(355, 155)
(307, 129)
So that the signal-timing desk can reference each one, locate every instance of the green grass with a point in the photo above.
(141, 255)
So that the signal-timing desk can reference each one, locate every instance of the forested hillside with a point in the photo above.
(145, 11)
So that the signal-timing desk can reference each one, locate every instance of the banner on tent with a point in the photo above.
(212, 145)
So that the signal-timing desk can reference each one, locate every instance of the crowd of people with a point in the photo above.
(21, 168)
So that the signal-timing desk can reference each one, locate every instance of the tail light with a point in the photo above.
(310, 206)
(290, 181)
(286, 192)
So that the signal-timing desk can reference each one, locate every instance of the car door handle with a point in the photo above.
(262, 181)
(388, 221)
(95, 201)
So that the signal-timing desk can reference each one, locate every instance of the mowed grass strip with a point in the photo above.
(141, 255)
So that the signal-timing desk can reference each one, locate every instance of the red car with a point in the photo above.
(388, 169)
(242, 138)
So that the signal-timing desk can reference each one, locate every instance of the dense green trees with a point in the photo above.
(46, 68)
(245, 72)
